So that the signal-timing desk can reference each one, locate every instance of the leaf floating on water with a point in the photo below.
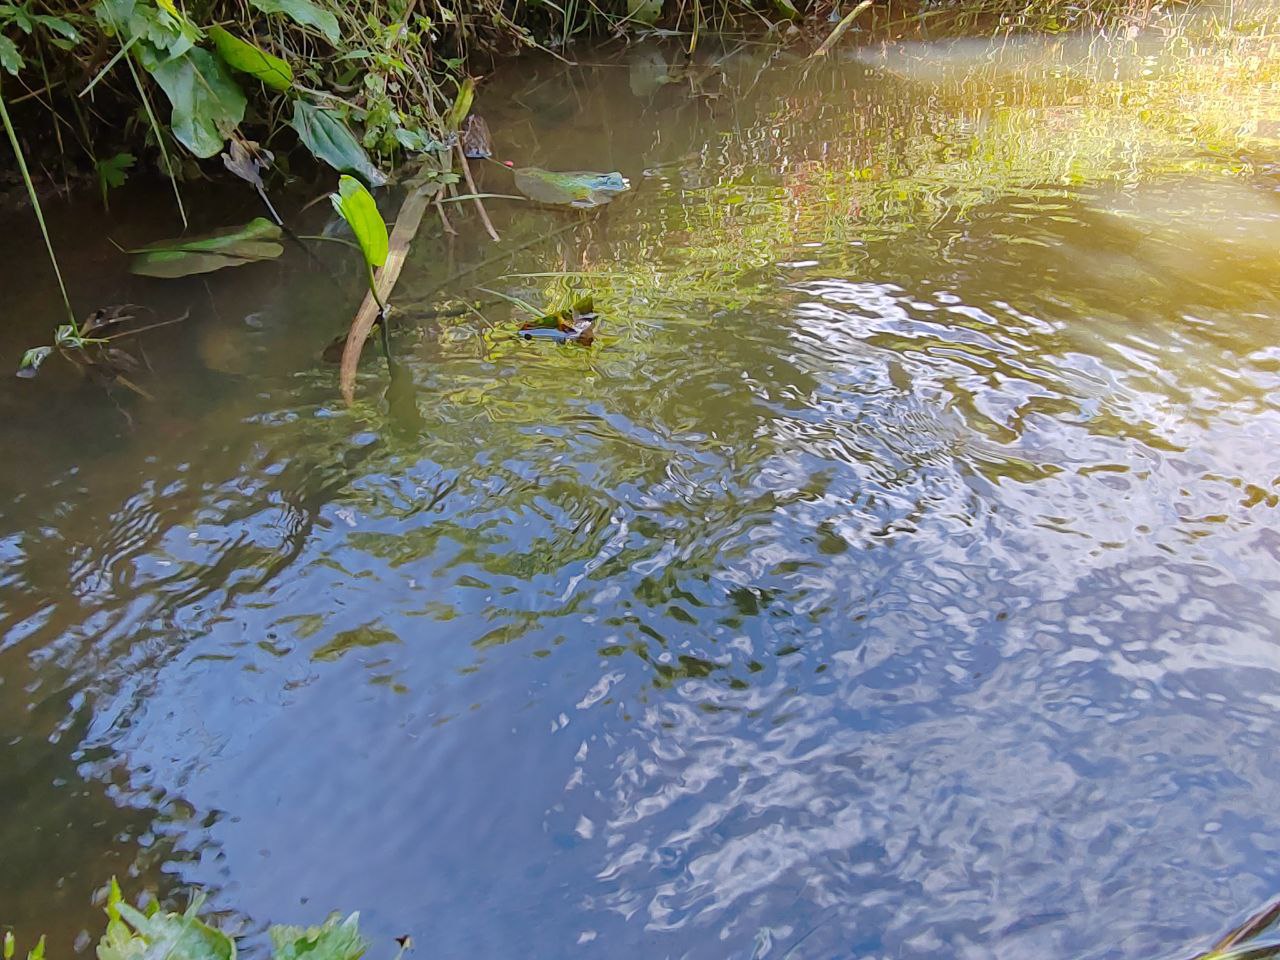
(31, 361)
(231, 247)
(575, 324)
(337, 939)
(248, 58)
(577, 188)
(476, 141)
(327, 137)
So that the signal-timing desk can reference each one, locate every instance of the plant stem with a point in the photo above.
(35, 205)
(373, 289)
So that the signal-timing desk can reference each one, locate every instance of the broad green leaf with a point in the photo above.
(335, 940)
(207, 102)
(644, 11)
(134, 935)
(10, 59)
(37, 952)
(461, 105)
(355, 205)
(8, 934)
(247, 58)
(231, 247)
(304, 13)
(578, 188)
(327, 137)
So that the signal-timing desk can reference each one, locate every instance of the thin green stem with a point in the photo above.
(35, 205)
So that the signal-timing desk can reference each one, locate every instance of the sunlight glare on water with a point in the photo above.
(892, 578)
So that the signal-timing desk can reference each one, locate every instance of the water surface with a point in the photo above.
(896, 576)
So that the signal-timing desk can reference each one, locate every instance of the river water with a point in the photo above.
(893, 577)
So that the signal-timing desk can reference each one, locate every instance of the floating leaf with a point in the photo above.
(327, 137)
(304, 13)
(133, 935)
(207, 102)
(574, 324)
(232, 247)
(10, 59)
(461, 105)
(644, 11)
(335, 940)
(578, 188)
(355, 205)
(248, 58)
(27, 369)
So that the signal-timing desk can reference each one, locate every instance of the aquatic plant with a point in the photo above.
(357, 207)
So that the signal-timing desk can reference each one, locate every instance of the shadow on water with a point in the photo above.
(892, 577)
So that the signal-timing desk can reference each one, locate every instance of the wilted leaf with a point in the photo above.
(576, 323)
(248, 58)
(327, 137)
(476, 142)
(207, 102)
(27, 369)
(356, 206)
(10, 59)
(132, 935)
(304, 13)
(232, 247)
(644, 11)
(247, 160)
(461, 105)
(577, 188)
(336, 940)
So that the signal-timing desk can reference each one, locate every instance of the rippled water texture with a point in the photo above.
(896, 576)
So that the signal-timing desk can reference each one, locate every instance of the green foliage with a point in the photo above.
(232, 247)
(461, 105)
(247, 58)
(356, 206)
(323, 133)
(305, 14)
(335, 940)
(113, 172)
(207, 103)
(134, 935)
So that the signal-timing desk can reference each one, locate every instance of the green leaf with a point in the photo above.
(57, 25)
(247, 58)
(355, 205)
(461, 105)
(230, 247)
(207, 102)
(786, 9)
(113, 173)
(38, 952)
(578, 188)
(304, 13)
(8, 934)
(644, 11)
(10, 59)
(327, 137)
(133, 935)
(336, 940)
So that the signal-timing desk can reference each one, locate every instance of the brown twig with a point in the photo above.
(402, 234)
(471, 185)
